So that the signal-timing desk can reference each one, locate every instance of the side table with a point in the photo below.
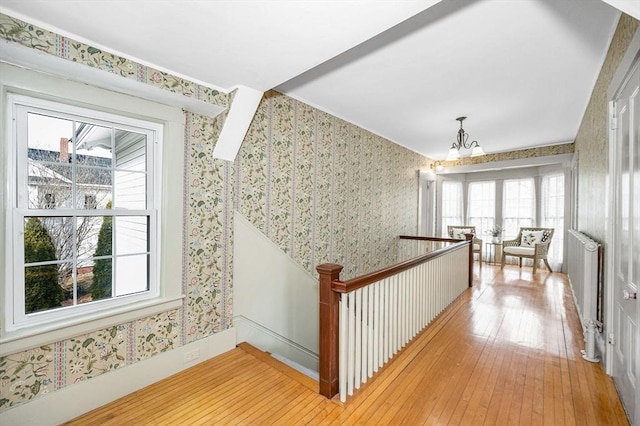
(492, 250)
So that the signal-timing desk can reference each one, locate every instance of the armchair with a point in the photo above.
(531, 243)
(457, 232)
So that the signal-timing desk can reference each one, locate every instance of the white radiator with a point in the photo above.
(584, 267)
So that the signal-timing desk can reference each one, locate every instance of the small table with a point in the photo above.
(492, 250)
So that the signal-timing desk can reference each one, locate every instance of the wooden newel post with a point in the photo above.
(329, 326)
(469, 237)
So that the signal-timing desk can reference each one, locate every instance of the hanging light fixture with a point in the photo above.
(462, 142)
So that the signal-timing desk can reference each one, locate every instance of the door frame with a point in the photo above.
(620, 78)
(615, 87)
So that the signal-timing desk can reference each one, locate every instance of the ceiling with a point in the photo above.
(521, 71)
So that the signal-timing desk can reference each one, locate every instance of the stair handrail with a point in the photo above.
(331, 287)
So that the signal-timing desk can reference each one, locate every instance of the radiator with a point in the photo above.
(585, 276)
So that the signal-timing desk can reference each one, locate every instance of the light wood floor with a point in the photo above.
(507, 352)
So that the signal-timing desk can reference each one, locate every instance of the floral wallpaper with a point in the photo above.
(208, 233)
(592, 140)
(325, 190)
(322, 189)
(28, 35)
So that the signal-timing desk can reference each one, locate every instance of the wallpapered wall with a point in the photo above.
(207, 248)
(325, 190)
(293, 161)
(591, 143)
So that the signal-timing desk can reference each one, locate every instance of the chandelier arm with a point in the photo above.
(471, 144)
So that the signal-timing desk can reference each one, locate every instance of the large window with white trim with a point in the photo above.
(482, 206)
(451, 205)
(85, 211)
(518, 207)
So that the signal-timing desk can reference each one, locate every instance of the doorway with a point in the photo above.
(624, 248)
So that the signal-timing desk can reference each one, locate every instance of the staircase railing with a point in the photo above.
(366, 320)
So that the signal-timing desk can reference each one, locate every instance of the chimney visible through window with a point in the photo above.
(64, 150)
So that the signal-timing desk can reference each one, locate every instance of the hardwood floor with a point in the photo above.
(507, 352)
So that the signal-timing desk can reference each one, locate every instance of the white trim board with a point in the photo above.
(270, 341)
(55, 408)
(508, 164)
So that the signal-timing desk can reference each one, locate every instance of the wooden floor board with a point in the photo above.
(506, 352)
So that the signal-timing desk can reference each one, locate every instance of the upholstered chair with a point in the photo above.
(531, 243)
(457, 232)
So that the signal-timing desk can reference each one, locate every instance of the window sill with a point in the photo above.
(32, 337)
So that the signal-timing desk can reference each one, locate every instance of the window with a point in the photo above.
(482, 206)
(86, 208)
(518, 209)
(22, 89)
(451, 205)
(553, 214)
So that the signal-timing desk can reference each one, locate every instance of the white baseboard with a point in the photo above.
(74, 400)
(267, 340)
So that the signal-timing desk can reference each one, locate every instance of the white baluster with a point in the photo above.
(358, 337)
(342, 349)
(370, 330)
(352, 343)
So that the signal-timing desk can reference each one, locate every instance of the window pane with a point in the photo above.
(92, 145)
(42, 288)
(49, 185)
(518, 206)
(451, 205)
(38, 243)
(67, 283)
(131, 151)
(131, 234)
(130, 190)
(101, 278)
(102, 262)
(93, 187)
(48, 138)
(131, 274)
(553, 214)
(482, 206)
(87, 235)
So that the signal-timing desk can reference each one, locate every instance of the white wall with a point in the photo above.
(275, 300)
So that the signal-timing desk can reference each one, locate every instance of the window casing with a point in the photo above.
(451, 205)
(169, 178)
(78, 170)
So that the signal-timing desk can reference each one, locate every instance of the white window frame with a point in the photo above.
(20, 107)
(167, 294)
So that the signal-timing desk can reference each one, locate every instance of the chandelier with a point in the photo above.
(462, 142)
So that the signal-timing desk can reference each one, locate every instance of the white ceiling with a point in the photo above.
(522, 71)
